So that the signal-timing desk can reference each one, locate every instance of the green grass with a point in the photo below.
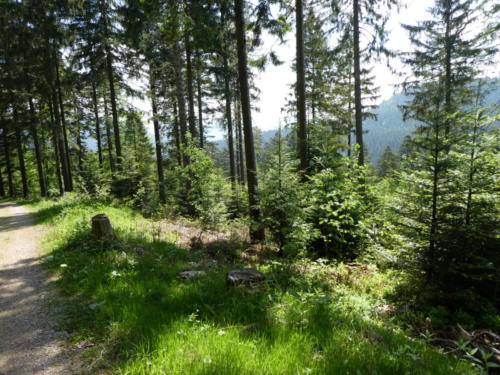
(126, 302)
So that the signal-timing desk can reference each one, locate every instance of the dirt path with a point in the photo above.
(28, 342)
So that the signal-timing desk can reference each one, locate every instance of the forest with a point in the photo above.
(376, 259)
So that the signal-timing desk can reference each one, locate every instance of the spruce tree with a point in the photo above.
(362, 19)
(450, 51)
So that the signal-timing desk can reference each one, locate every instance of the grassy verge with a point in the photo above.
(127, 306)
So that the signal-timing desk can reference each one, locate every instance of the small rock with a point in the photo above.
(244, 276)
(191, 274)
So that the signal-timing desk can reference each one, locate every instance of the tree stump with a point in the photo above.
(102, 229)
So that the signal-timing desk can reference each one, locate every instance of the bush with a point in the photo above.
(284, 203)
(202, 191)
(342, 211)
(146, 198)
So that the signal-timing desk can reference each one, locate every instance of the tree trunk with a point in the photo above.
(8, 163)
(301, 93)
(229, 123)
(256, 233)
(97, 125)
(200, 104)
(349, 125)
(239, 172)
(79, 144)
(189, 76)
(357, 86)
(66, 153)
(240, 144)
(159, 156)
(20, 154)
(177, 132)
(434, 209)
(38, 154)
(114, 111)
(64, 165)
(228, 97)
(181, 103)
(57, 156)
(2, 189)
(447, 62)
(112, 96)
(109, 138)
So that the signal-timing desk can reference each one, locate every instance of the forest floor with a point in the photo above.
(29, 342)
(127, 311)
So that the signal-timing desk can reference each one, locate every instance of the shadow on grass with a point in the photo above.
(48, 214)
(128, 296)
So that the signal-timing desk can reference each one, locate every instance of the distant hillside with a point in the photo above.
(390, 130)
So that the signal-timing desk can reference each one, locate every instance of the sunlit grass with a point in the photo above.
(126, 301)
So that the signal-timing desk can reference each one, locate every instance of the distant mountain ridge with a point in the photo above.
(389, 129)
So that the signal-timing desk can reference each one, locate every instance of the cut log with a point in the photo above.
(102, 229)
(186, 275)
(245, 276)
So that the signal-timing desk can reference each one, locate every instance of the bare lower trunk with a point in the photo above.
(156, 125)
(114, 110)
(237, 139)
(256, 232)
(66, 154)
(180, 93)
(57, 156)
(357, 86)
(20, 155)
(62, 156)
(38, 153)
(301, 94)
(79, 144)
(63, 129)
(200, 105)
(97, 125)
(177, 135)
(2, 189)
(190, 91)
(229, 123)
(447, 63)
(8, 163)
(109, 137)
(112, 93)
(240, 144)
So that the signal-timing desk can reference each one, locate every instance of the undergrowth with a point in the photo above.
(127, 306)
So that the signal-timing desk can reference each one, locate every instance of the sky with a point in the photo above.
(274, 83)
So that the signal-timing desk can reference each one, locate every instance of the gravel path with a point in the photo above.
(28, 342)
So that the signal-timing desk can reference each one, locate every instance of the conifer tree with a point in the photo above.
(448, 57)
(256, 234)
(357, 19)
(388, 162)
